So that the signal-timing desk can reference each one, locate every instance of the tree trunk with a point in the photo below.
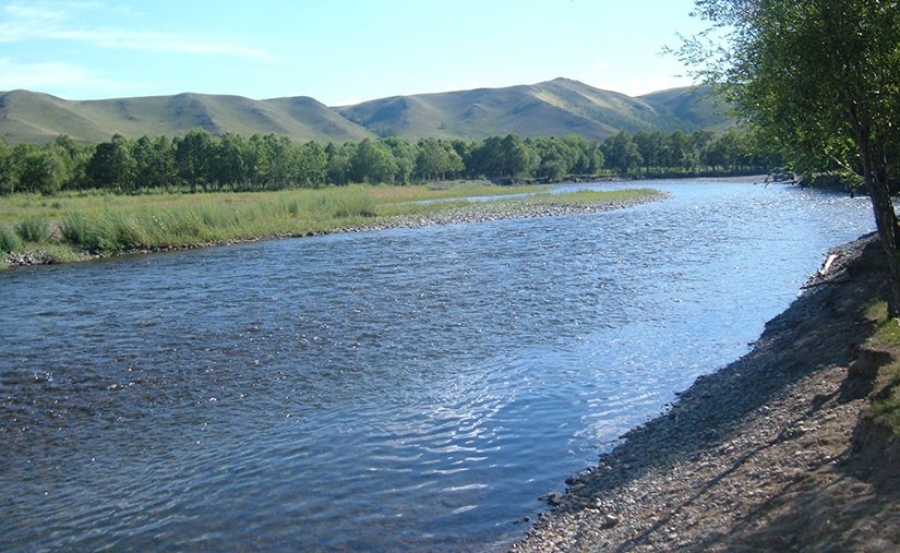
(886, 223)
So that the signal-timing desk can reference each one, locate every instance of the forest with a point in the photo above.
(201, 162)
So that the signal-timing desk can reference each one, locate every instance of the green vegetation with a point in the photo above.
(821, 80)
(886, 395)
(9, 241)
(71, 225)
(200, 162)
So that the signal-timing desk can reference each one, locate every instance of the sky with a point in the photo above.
(339, 52)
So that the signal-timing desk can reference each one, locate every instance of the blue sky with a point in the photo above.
(337, 51)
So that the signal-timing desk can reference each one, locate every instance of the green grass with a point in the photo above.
(886, 397)
(105, 224)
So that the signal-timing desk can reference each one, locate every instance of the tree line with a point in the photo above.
(199, 161)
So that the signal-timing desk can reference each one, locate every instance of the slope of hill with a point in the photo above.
(697, 106)
(35, 117)
(557, 107)
(553, 108)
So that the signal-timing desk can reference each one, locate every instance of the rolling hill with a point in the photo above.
(552, 108)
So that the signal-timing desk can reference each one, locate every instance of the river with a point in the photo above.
(400, 390)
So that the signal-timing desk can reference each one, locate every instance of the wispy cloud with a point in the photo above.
(55, 21)
(42, 76)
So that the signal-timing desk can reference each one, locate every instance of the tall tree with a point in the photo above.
(821, 76)
(193, 154)
(112, 165)
(374, 162)
(621, 152)
(312, 164)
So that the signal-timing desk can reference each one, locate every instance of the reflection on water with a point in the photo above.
(400, 390)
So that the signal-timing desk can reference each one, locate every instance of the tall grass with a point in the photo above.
(115, 230)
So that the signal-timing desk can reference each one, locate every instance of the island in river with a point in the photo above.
(84, 228)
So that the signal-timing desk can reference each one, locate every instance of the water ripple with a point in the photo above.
(404, 390)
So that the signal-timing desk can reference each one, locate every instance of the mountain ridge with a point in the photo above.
(552, 108)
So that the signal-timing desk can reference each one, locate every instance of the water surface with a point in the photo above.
(403, 390)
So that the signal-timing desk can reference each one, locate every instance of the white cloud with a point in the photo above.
(41, 75)
(46, 21)
(51, 75)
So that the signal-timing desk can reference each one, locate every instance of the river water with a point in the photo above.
(401, 390)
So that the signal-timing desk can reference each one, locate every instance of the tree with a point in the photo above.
(621, 152)
(154, 161)
(312, 164)
(374, 162)
(112, 165)
(820, 76)
(7, 177)
(652, 148)
(230, 162)
(43, 170)
(339, 162)
(193, 155)
(437, 159)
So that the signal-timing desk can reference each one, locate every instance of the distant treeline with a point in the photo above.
(199, 161)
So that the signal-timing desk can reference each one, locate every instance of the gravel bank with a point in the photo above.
(756, 457)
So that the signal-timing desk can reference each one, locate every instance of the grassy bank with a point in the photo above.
(885, 396)
(71, 227)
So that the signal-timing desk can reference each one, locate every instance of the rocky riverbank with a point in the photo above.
(767, 454)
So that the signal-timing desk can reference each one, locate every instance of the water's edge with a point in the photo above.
(698, 432)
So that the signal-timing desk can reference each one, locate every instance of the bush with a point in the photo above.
(87, 233)
(33, 229)
(9, 241)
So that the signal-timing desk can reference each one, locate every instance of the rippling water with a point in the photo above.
(411, 389)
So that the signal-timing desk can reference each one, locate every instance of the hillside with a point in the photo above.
(35, 117)
(553, 108)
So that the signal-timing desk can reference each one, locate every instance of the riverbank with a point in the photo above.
(767, 454)
(170, 229)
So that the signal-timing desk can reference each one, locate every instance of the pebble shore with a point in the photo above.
(759, 456)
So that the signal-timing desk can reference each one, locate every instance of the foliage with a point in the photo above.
(821, 80)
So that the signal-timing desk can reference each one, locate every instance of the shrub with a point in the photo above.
(89, 233)
(9, 241)
(34, 229)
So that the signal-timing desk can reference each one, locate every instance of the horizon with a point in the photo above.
(343, 53)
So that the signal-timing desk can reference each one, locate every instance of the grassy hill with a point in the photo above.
(697, 107)
(552, 108)
(35, 117)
